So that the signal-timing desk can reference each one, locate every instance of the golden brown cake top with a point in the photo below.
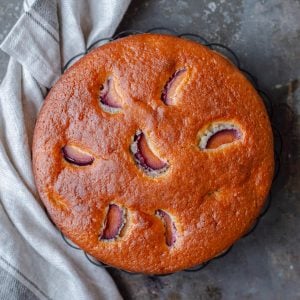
(153, 153)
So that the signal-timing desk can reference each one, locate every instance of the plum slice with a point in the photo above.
(170, 229)
(144, 156)
(114, 222)
(109, 97)
(171, 87)
(77, 156)
(218, 135)
(222, 137)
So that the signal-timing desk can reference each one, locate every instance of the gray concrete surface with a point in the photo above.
(266, 37)
(9, 12)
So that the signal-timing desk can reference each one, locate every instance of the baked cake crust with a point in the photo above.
(185, 202)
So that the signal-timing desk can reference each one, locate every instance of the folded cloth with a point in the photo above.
(35, 263)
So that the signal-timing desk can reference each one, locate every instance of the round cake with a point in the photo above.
(153, 153)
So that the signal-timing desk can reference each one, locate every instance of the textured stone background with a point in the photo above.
(266, 37)
(9, 13)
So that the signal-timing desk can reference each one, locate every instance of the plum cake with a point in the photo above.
(153, 153)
